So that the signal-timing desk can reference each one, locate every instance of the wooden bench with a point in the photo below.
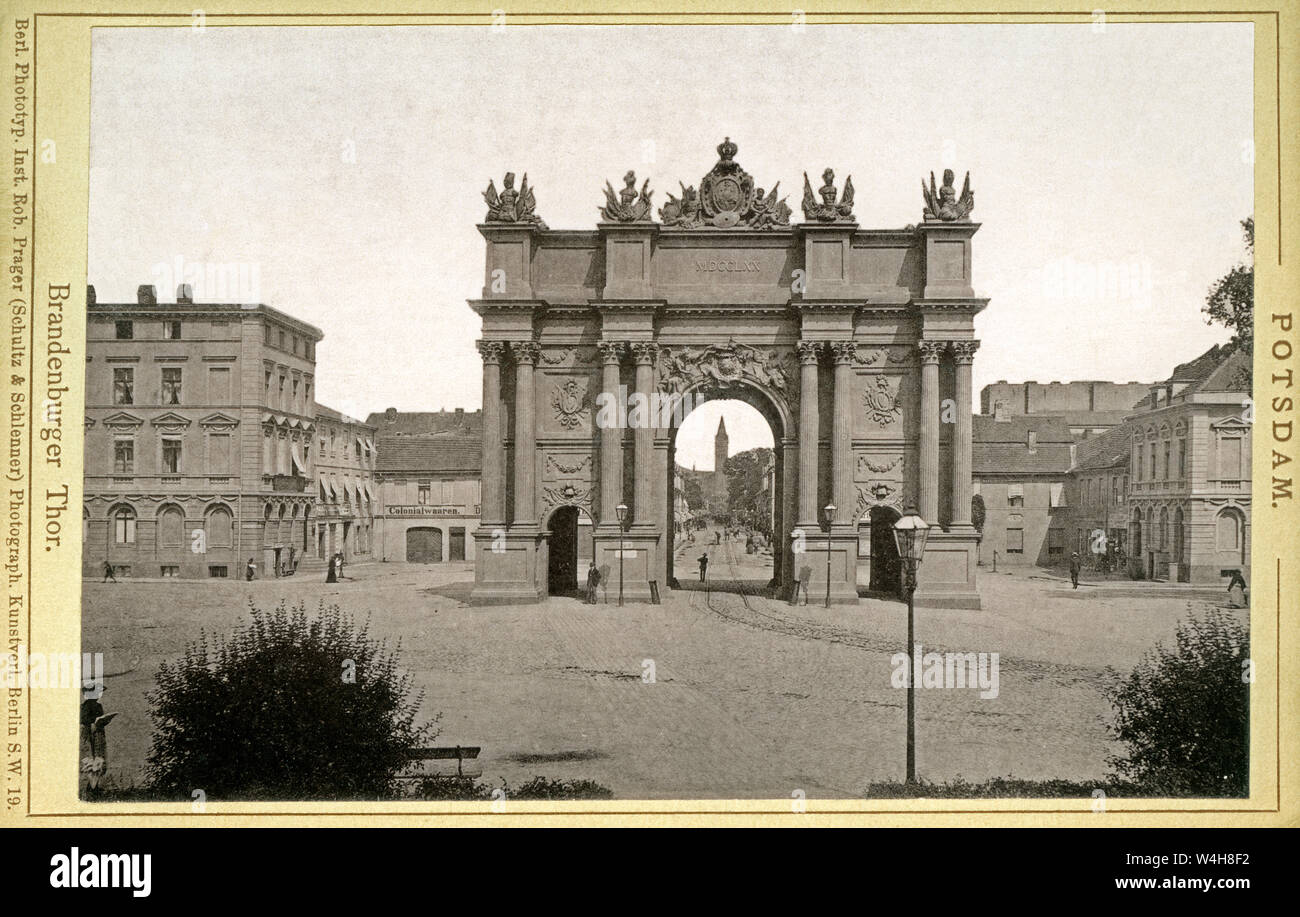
(459, 753)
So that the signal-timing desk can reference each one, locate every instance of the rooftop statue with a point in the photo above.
(627, 206)
(727, 198)
(683, 213)
(829, 210)
(511, 206)
(944, 204)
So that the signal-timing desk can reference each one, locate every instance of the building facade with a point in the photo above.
(1190, 459)
(346, 489)
(1098, 492)
(428, 483)
(1021, 466)
(846, 339)
(199, 423)
(1089, 407)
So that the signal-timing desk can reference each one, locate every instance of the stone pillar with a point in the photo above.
(843, 353)
(928, 506)
(808, 434)
(611, 438)
(964, 355)
(644, 511)
(493, 484)
(525, 354)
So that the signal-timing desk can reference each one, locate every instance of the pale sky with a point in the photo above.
(343, 168)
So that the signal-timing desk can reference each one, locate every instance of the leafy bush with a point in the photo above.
(1184, 714)
(1003, 788)
(287, 707)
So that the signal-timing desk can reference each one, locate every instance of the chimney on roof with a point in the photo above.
(1000, 411)
(185, 293)
(460, 412)
(146, 295)
(90, 294)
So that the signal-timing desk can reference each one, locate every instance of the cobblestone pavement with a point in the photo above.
(750, 697)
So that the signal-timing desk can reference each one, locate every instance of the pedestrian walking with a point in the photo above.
(250, 570)
(1237, 590)
(108, 573)
(332, 571)
(593, 580)
(704, 566)
(1075, 566)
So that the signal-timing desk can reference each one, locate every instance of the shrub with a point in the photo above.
(287, 707)
(470, 788)
(1184, 714)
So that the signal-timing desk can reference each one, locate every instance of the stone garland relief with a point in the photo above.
(895, 355)
(567, 465)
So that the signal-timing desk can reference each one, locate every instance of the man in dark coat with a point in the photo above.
(704, 566)
(593, 580)
(1075, 567)
(108, 572)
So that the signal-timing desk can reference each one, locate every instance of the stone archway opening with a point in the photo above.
(734, 519)
(569, 550)
(878, 553)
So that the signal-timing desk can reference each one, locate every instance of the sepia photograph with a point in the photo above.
(779, 412)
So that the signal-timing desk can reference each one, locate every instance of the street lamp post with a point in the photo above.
(829, 511)
(621, 510)
(910, 533)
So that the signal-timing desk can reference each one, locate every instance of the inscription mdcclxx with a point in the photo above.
(725, 266)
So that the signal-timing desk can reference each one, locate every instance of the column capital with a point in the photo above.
(808, 352)
(491, 351)
(964, 351)
(611, 352)
(931, 351)
(525, 352)
(843, 352)
(644, 352)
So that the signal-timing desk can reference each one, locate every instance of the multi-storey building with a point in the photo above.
(1088, 406)
(199, 422)
(346, 490)
(1019, 467)
(1097, 493)
(428, 475)
(1189, 452)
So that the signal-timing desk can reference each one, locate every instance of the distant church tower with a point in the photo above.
(720, 466)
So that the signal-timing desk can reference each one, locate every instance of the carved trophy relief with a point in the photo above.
(880, 399)
(569, 402)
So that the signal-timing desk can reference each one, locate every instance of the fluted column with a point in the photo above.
(808, 432)
(492, 489)
(611, 437)
(525, 354)
(964, 355)
(931, 351)
(644, 514)
(843, 353)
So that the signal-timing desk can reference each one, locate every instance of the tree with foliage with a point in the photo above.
(286, 707)
(746, 499)
(1184, 714)
(977, 512)
(692, 492)
(1231, 301)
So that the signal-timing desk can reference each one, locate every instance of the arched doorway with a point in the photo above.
(737, 519)
(885, 570)
(423, 545)
(568, 549)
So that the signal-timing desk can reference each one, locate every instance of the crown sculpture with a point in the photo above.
(511, 206)
(727, 198)
(944, 204)
(828, 211)
(627, 206)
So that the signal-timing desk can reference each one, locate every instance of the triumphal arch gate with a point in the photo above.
(855, 344)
